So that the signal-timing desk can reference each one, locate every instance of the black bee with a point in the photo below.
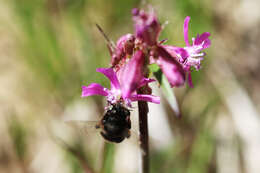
(115, 123)
(114, 126)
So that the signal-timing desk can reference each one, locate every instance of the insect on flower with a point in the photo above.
(128, 74)
(116, 124)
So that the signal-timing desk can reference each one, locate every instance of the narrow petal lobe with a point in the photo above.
(145, 81)
(190, 80)
(186, 29)
(94, 89)
(147, 98)
(111, 75)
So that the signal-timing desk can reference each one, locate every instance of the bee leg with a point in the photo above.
(128, 122)
(128, 134)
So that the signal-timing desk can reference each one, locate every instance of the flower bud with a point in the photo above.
(147, 27)
(124, 46)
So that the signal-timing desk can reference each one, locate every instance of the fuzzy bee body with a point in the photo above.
(115, 123)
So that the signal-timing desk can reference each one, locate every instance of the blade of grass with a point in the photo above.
(108, 162)
(166, 88)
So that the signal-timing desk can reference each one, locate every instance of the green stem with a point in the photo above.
(108, 162)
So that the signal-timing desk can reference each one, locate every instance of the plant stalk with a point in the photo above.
(143, 135)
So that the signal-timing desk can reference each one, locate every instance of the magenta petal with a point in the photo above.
(147, 98)
(204, 40)
(94, 89)
(171, 68)
(183, 54)
(200, 38)
(190, 80)
(111, 75)
(131, 74)
(179, 52)
(206, 44)
(147, 26)
(185, 30)
(172, 50)
(145, 81)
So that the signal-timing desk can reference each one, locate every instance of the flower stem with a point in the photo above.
(143, 135)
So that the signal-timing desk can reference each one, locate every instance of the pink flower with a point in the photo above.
(123, 84)
(147, 30)
(147, 26)
(170, 67)
(190, 55)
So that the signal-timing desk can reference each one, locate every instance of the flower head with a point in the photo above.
(190, 55)
(147, 26)
(123, 84)
(147, 30)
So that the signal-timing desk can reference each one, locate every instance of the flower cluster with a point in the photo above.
(134, 52)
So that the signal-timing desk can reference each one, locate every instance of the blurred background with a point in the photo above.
(50, 48)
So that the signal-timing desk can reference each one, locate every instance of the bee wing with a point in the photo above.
(85, 127)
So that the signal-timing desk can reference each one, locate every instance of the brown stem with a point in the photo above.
(143, 134)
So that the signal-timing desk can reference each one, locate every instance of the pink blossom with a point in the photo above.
(123, 84)
(147, 26)
(190, 55)
(171, 68)
(147, 29)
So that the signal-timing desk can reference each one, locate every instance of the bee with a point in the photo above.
(114, 126)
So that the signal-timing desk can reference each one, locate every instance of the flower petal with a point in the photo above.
(172, 50)
(190, 80)
(131, 74)
(203, 40)
(94, 89)
(206, 44)
(178, 52)
(145, 97)
(111, 75)
(145, 81)
(200, 38)
(185, 30)
(147, 26)
(171, 68)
